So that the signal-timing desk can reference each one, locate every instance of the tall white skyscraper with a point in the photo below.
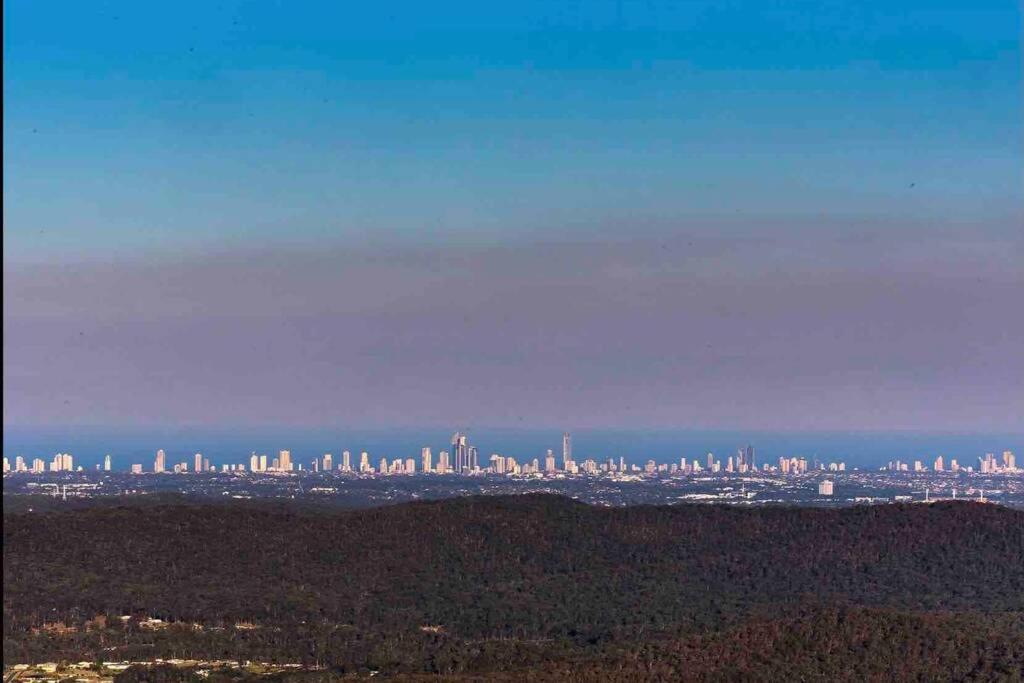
(460, 452)
(285, 461)
(328, 462)
(346, 461)
(106, 463)
(566, 450)
(199, 462)
(160, 464)
(427, 460)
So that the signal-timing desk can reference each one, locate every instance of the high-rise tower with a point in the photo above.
(566, 450)
(460, 453)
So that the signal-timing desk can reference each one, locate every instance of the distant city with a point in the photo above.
(464, 459)
(363, 480)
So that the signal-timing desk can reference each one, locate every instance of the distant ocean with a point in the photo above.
(857, 449)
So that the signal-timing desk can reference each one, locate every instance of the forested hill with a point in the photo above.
(522, 569)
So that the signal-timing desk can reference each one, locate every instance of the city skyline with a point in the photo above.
(740, 464)
(462, 457)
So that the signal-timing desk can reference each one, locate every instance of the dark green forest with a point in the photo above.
(530, 587)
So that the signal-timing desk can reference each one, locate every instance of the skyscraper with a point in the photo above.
(566, 450)
(549, 461)
(328, 462)
(106, 463)
(460, 453)
(427, 459)
(199, 462)
(748, 457)
(160, 464)
(285, 461)
(346, 461)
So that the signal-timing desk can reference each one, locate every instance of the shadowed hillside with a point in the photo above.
(529, 582)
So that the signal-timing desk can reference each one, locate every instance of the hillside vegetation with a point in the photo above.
(533, 584)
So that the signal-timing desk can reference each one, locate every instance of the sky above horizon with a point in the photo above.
(756, 215)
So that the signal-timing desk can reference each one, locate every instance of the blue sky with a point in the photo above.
(360, 202)
(132, 126)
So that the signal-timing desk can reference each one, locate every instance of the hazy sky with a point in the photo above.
(764, 215)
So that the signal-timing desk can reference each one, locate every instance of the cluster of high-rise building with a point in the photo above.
(262, 463)
(987, 464)
(743, 462)
(61, 462)
(463, 458)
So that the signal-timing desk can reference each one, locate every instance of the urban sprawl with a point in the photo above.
(463, 458)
